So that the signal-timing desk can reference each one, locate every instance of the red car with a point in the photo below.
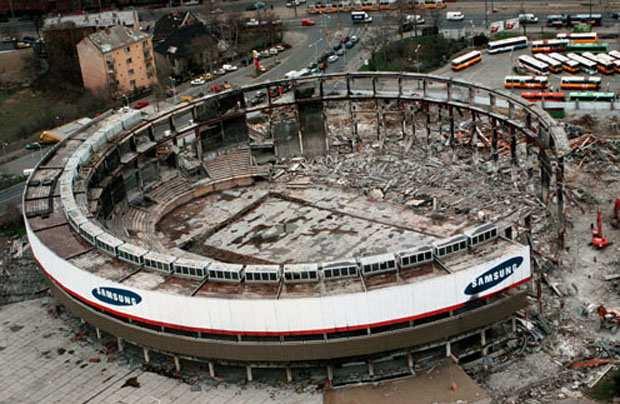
(307, 22)
(141, 104)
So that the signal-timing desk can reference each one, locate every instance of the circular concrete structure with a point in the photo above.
(94, 203)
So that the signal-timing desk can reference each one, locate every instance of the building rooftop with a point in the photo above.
(99, 20)
(116, 37)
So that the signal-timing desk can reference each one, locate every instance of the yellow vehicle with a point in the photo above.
(207, 76)
(186, 98)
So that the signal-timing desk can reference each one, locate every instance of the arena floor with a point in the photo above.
(294, 226)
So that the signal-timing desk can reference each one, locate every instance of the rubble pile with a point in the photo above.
(20, 279)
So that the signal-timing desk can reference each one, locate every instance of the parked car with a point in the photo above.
(332, 58)
(280, 48)
(345, 39)
(220, 72)
(141, 104)
(528, 18)
(415, 19)
(229, 68)
(259, 5)
(349, 45)
(292, 3)
(273, 51)
(340, 52)
(264, 53)
(258, 98)
(354, 39)
(454, 16)
(198, 82)
(337, 46)
(307, 22)
(252, 22)
(33, 146)
(615, 15)
(207, 76)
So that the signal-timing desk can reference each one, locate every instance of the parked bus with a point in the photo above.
(533, 65)
(580, 83)
(591, 96)
(612, 59)
(585, 65)
(507, 45)
(431, 4)
(466, 60)
(578, 37)
(533, 96)
(569, 65)
(596, 20)
(603, 65)
(587, 47)
(554, 65)
(614, 54)
(539, 82)
(557, 20)
(549, 45)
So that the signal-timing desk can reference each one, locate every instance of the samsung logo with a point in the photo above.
(494, 276)
(116, 296)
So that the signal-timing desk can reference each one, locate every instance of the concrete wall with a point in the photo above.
(93, 68)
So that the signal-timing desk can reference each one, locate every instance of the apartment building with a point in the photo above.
(117, 61)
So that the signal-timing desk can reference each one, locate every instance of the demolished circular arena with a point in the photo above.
(304, 223)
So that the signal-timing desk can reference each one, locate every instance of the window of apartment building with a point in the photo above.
(132, 83)
(128, 49)
(131, 71)
(129, 61)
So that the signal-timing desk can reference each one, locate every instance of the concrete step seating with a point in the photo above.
(168, 190)
(235, 163)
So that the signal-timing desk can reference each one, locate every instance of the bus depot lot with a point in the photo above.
(492, 70)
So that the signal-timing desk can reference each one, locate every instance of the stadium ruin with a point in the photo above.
(304, 223)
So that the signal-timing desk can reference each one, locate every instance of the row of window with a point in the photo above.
(415, 259)
(223, 275)
(157, 265)
(189, 271)
(129, 257)
(261, 277)
(301, 275)
(451, 248)
(341, 272)
(107, 248)
(377, 267)
(486, 236)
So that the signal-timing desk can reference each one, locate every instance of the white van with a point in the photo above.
(454, 16)
(417, 19)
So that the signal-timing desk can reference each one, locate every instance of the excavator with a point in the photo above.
(599, 240)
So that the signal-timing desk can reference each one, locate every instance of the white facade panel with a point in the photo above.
(317, 313)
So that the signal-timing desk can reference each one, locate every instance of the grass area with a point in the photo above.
(608, 387)
(26, 112)
(434, 51)
(7, 181)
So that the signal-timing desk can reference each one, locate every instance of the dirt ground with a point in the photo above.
(447, 383)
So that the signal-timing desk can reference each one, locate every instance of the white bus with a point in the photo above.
(569, 65)
(538, 82)
(579, 37)
(614, 54)
(580, 83)
(554, 65)
(466, 60)
(507, 45)
(586, 65)
(603, 64)
(533, 65)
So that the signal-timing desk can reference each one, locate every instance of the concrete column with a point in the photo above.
(248, 373)
(330, 373)
(559, 182)
(428, 122)
(513, 146)
(119, 343)
(513, 320)
(410, 361)
(300, 133)
(289, 375)
(483, 342)
(494, 139)
(371, 369)
(177, 363)
(211, 370)
(448, 349)
(98, 332)
(451, 115)
(147, 357)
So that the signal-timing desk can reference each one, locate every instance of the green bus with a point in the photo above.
(591, 96)
(587, 47)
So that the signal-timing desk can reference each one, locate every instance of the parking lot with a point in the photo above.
(492, 70)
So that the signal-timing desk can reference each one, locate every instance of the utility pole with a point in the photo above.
(486, 14)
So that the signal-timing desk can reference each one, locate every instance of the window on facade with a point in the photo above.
(131, 71)
(128, 49)
(132, 83)
(226, 275)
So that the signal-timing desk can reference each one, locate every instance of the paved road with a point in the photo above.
(10, 195)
